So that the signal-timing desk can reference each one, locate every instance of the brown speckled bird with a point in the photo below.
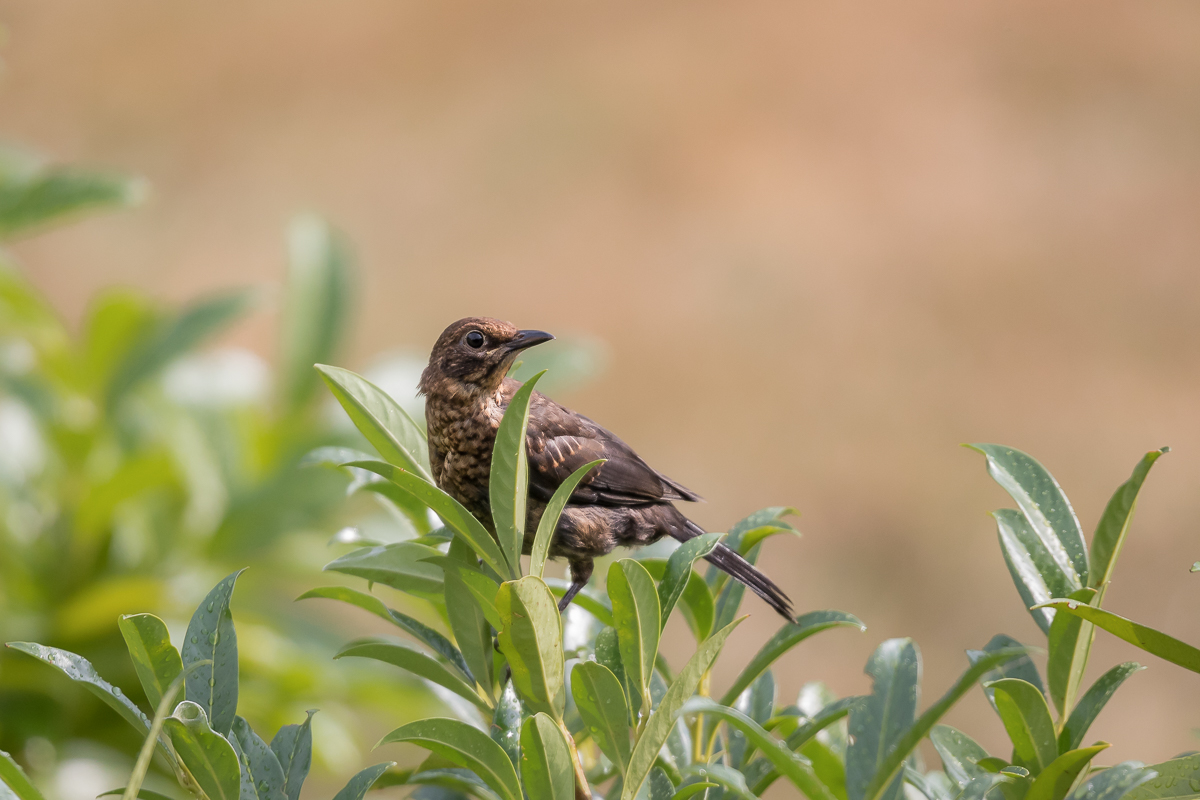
(622, 502)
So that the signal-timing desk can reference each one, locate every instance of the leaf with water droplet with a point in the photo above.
(214, 687)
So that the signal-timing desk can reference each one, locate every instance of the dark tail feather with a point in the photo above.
(732, 564)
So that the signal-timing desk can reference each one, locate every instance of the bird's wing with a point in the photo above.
(559, 441)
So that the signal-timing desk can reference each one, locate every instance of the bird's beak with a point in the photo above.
(525, 339)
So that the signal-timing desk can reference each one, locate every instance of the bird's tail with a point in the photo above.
(729, 562)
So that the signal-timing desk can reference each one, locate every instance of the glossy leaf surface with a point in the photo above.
(960, 754)
(508, 486)
(1037, 576)
(879, 723)
(1113, 783)
(211, 637)
(292, 745)
(12, 776)
(546, 769)
(636, 617)
(466, 746)
(679, 572)
(155, 659)
(1177, 779)
(531, 640)
(209, 757)
(1155, 642)
(1070, 643)
(387, 426)
(601, 702)
(262, 774)
(1058, 777)
(1026, 718)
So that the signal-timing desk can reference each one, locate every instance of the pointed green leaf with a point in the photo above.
(892, 765)
(402, 566)
(1036, 574)
(315, 305)
(1026, 718)
(661, 721)
(531, 640)
(1114, 783)
(546, 769)
(209, 757)
(787, 637)
(960, 754)
(450, 510)
(211, 637)
(1091, 703)
(154, 658)
(482, 587)
(466, 746)
(14, 777)
(1177, 779)
(550, 516)
(695, 599)
(608, 653)
(509, 716)
(757, 702)
(387, 426)
(262, 774)
(1070, 643)
(798, 770)
(1058, 777)
(679, 570)
(471, 631)
(80, 670)
(416, 662)
(1044, 507)
(508, 486)
(828, 715)
(1020, 667)
(292, 745)
(1160, 644)
(1114, 523)
(369, 602)
(636, 617)
(361, 783)
(601, 702)
(878, 725)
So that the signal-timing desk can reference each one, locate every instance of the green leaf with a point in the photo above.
(143, 794)
(601, 702)
(455, 783)
(508, 487)
(403, 566)
(211, 637)
(80, 670)
(679, 571)
(757, 702)
(878, 724)
(292, 745)
(1160, 644)
(174, 338)
(467, 747)
(208, 756)
(891, 765)
(471, 631)
(960, 754)
(795, 768)
(636, 617)
(416, 662)
(316, 301)
(33, 196)
(387, 426)
(481, 586)
(154, 658)
(1177, 779)
(1091, 703)
(1044, 506)
(1114, 783)
(14, 777)
(1020, 667)
(732, 782)
(262, 774)
(1070, 643)
(550, 516)
(662, 719)
(608, 653)
(546, 769)
(361, 783)
(1058, 777)
(369, 602)
(531, 640)
(1114, 523)
(787, 637)
(828, 715)
(981, 786)
(827, 763)
(693, 789)
(507, 719)
(748, 532)
(450, 510)
(1026, 718)
(697, 601)
(1034, 571)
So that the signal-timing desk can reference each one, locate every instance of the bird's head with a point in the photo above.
(473, 355)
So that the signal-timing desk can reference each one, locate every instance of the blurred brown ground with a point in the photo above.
(843, 238)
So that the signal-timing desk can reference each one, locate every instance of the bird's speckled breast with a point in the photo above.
(462, 434)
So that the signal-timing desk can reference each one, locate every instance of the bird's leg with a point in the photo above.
(581, 573)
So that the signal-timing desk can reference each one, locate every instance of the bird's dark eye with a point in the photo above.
(474, 339)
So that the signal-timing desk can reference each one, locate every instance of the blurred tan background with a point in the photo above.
(824, 243)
